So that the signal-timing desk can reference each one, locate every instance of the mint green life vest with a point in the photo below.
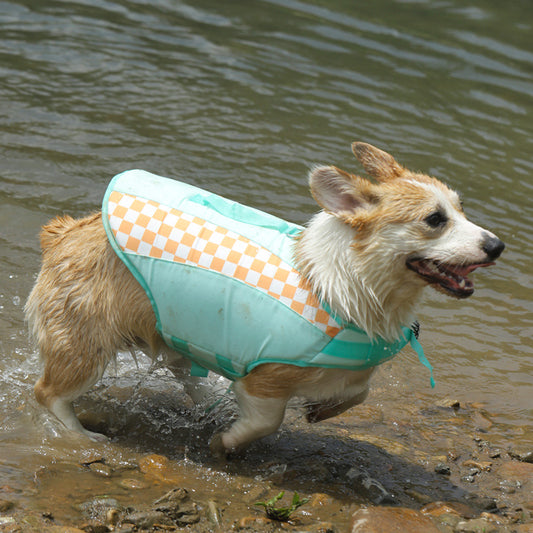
(223, 284)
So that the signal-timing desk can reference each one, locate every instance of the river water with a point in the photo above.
(241, 99)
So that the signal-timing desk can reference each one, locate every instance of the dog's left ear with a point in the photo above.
(376, 162)
(340, 193)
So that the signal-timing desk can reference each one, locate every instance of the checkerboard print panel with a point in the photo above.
(148, 228)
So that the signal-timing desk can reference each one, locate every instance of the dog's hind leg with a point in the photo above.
(55, 391)
(258, 417)
(63, 409)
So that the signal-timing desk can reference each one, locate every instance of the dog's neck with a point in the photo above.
(370, 289)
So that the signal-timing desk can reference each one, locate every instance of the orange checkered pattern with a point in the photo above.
(148, 228)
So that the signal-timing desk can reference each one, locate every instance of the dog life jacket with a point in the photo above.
(223, 284)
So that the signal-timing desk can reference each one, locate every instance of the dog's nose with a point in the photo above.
(492, 246)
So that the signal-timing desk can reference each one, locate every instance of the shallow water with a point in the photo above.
(242, 101)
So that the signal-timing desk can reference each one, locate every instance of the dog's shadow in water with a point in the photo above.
(301, 457)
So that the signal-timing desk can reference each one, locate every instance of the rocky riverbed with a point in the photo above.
(369, 470)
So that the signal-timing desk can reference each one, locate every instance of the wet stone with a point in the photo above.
(509, 487)
(479, 465)
(132, 484)
(101, 469)
(62, 529)
(319, 499)
(443, 469)
(477, 525)
(177, 505)
(6, 505)
(97, 508)
(517, 471)
(449, 519)
(95, 528)
(524, 456)
(381, 519)
(368, 487)
(253, 522)
(149, 519)
(213, 514)
(418, 496)
(449, 403)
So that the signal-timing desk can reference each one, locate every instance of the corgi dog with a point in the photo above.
(365, 258)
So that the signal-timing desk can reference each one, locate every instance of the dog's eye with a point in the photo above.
(436, 219)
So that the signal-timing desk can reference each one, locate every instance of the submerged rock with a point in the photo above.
(99, 507)
(177, 505)
(148, 519)
(391, 520)
(477, 525)
(443, 469)
(368, 487)
(517, 471)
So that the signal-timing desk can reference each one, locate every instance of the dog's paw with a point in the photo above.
(216, 445)
(96, 437)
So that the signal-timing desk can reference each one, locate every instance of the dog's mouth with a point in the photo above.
(452, 278)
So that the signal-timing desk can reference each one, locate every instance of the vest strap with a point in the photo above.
(197, 370)
(417, 347)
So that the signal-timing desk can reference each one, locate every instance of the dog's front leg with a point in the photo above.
(259, 416)
(318, 411)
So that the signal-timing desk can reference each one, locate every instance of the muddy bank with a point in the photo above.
(368, 470)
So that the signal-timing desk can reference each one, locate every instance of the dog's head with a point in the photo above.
(406, 225)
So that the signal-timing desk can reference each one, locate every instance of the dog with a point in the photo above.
(363, 262)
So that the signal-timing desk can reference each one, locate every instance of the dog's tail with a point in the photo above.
(58, 226)
(54, 229)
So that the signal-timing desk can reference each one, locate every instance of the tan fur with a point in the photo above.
(83, 288)
(86, 305)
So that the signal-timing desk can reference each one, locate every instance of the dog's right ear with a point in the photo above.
(376, 162)
(338, 192)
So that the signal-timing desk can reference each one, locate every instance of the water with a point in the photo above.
(242, 99)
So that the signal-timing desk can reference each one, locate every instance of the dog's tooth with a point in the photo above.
(462, 283)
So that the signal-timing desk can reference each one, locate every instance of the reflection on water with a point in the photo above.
(242, 101)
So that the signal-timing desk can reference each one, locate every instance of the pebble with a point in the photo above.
(368, 487)
(6, 505)
(449, 519)
(132, 484)
(517, 471)
(486, 466)
(97, 508)
(177, 505)
(509, 487)
(420, 497)
(319, 499)
(477, 525)
(148, 519)
(95, 528)
(437, 509)
(213, 514)
(101, 469)
(525, 457)
(481, 421)
(62, 529)
(449, 403)
(385, 519)
(443, 469)
(160, 468)
(253, 522)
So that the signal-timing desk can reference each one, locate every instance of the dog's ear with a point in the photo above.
(338, 192)
(376, 162)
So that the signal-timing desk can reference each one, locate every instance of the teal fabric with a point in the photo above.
(219, 322)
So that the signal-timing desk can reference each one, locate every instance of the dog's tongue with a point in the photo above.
(463, 271)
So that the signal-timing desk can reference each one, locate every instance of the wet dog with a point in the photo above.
(366, 257)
